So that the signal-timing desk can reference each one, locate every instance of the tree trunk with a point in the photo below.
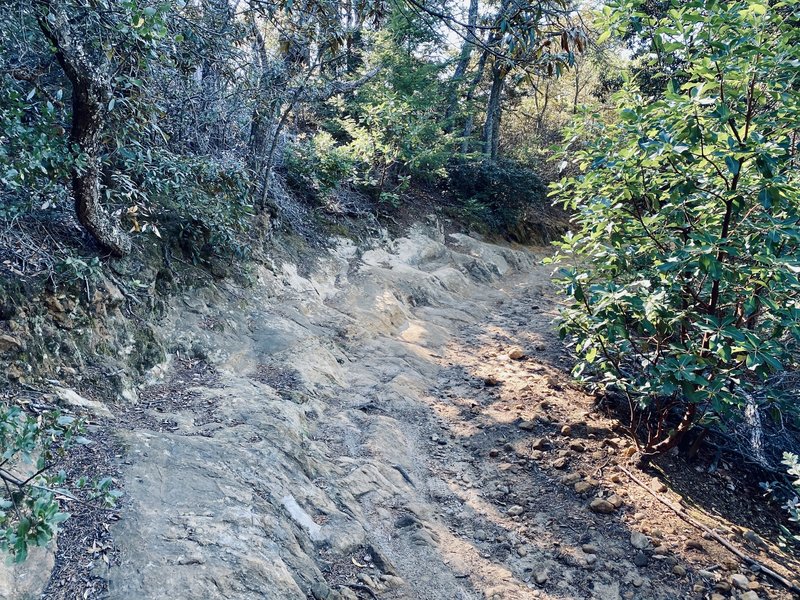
(470, 122)
(674, 437)
(542, 110)
(273, 78)
(91, 92)
(491, 126)
(463, 63)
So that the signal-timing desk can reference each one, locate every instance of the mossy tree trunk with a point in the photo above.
(91, 92)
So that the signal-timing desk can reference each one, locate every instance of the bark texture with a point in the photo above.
(91, 92)
(491, 127)
(463, 63)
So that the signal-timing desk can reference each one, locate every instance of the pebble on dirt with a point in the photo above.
(516, 353)
(601, 505)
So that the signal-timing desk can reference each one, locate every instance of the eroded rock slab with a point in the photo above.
(349, 444)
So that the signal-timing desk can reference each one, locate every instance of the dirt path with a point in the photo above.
(397, 425)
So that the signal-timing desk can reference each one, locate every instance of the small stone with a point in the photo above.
(722, 586)
(539, 444)
(602, 506)
(695, 545)
(754, 539)
(491, 381)
(589, 548)
(320, 591)
(570, 478)
(527, 425)
(540, 577)
(661, 550)
(566, 430)
(640, 559)
(637, 581)
(679, 570)
(561, 463)
(75, 400)
(591, 559)
(515, 510)
(516, 353)
(392, 581)
(658, 486)
(751, 595)
(716, 596)
(522, 551)
(639, 540)
(582, 487)
(707, 574)
(615, 500)
(616, 478)
(740, 581)
(494, 452)
(577, 446)
(754, 585)
(8, 342)
(629, 451)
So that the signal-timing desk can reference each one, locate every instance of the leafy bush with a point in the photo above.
(387, 133)
(497, 194)
(202, 201)
(683, 267)
(34, 160)
(29, 505)
(317, 165)
(793, 469)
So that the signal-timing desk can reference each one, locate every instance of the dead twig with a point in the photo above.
(693, 522)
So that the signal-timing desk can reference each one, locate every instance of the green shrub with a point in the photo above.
(29, 506)
(793, 469)
(202, 203)
(317, 164)
(682, 269)
(497, 194)
(34, 159)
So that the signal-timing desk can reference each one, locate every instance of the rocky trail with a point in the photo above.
(397, 424)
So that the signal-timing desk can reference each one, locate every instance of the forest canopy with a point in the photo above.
(144, 113)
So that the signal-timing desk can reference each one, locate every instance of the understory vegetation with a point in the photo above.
(666, 133)
(684, 259)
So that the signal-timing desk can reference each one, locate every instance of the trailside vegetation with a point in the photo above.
(683, 265)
